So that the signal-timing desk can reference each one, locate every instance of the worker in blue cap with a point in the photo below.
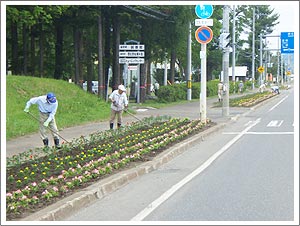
(47, 105)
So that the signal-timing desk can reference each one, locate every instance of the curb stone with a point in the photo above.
(65, 207)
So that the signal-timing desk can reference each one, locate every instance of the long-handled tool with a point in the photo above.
(48, 127)
(137, 118)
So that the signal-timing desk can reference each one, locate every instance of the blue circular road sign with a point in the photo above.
(203, 35)
(204, 11)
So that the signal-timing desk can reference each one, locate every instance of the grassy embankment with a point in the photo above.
(76, 107)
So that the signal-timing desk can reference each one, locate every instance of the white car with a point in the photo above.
(94, 86)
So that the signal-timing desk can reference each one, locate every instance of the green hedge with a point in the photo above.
(175, 92)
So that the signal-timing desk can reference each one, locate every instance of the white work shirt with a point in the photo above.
(44, 106)
(121, 100)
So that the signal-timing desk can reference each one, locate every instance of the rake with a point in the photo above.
(47, 127)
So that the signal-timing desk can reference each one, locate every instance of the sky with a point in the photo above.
(289, 20)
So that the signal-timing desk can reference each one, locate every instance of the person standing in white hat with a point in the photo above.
(119, 102)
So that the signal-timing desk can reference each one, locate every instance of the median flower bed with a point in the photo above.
(250, 99)
(37, 179)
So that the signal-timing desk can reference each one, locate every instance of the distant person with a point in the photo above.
(275, 89)
(119, 102)
(220, 90)
(156, 88)
(47, 105)
(241, 87)
(262, 88)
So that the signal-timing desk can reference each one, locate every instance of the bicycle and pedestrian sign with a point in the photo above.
(204, 11)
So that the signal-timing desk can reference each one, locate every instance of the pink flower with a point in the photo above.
(55, 189)
(8, 194)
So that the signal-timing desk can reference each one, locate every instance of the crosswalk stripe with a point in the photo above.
(275, 123)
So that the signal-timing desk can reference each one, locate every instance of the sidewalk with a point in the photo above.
(187, 110)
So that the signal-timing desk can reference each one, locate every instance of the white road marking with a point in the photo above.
(152, 206)
(141, 109)
(277, 104)
(260, 133)
(275, 123)
(248, 123)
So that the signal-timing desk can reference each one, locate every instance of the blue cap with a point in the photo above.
(51, 98)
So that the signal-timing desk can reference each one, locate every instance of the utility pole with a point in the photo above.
(225, 109)
(189, 64)
(253, 48)
(260, 58)
(233, 49)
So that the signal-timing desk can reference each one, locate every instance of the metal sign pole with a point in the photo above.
(203, 84)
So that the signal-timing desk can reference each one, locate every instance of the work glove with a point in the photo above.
(126, 107)
(26, 110)
(115, 103)
(46, 123)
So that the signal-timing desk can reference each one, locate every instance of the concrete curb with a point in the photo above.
(65, 207)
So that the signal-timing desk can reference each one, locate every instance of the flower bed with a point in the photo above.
(34, 181)
(251, 99)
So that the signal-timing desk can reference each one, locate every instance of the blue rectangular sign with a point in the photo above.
(287, 42)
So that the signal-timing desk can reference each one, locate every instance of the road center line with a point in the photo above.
(277, 104)
(152, 206)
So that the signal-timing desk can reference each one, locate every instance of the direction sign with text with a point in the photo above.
(131, 47)
(132, 54)
(287, 42)
(131, 61)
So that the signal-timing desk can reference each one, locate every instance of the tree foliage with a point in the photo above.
(62, 41)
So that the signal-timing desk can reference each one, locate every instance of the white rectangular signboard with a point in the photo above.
(204, 22)
(131, 61)
(132, 67)
(132, 54)
(131, 47)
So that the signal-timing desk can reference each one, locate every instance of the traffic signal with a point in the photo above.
(224, 40)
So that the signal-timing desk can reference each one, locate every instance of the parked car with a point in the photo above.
(94, 86)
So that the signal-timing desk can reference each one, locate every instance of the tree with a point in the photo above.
(265, 21)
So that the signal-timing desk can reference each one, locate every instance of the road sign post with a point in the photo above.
(132, 54)
(203, 35)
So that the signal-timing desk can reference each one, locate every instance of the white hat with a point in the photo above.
(121, 87)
